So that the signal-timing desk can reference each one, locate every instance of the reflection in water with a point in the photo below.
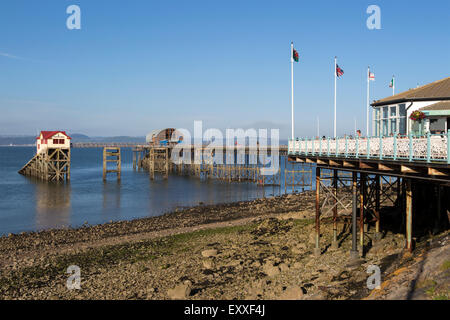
(29, 205)
(111, 200)
(53, 206)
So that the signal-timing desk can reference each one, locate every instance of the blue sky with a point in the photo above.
(139, 65)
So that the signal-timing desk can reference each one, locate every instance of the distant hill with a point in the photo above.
(76, 137)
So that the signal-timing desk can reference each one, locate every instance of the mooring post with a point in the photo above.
(317, 247)
(134, 159)
(354, 251)
(166, 165)
(104, 164)
(409, 244)
(119, 164)
(334, 243)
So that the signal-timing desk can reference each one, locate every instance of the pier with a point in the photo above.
(238, 164)
(52, 159)
(49, 165)
(418, 167)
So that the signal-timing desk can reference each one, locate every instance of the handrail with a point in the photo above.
(427, 148)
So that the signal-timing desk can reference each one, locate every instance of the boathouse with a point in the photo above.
(52, 140)
(392, 115)
(164, 137)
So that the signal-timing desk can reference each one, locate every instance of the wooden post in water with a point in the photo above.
(112, 154)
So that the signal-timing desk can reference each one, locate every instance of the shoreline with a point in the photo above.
(173, 220)
(259, 249)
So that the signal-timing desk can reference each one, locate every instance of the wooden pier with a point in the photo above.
(52, 164)
(112, 155)
(199, 162)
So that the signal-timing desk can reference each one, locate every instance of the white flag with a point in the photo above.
(371, 76)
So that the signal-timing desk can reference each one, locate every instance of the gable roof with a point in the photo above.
(49, 134)
(441, 105)
(438, 90)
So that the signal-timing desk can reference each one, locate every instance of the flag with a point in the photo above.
(339, 71)
(371, 76)
(391, 84)
(295, 55)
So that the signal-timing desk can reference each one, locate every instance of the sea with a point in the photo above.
(27, 204)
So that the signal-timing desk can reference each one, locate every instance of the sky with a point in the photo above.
(140, 65)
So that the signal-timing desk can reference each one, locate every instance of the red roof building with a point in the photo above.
(52, 140)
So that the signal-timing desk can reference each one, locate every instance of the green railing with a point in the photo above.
(428, 148)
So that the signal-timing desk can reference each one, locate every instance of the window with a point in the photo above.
(61, 141)
(376, 117)
(385, 127)
(55, 141)
(402, 119)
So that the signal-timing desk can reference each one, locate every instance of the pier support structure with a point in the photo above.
(341, 197)
(112, 155)
(52, 164)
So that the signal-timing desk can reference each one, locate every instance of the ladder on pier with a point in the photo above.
(49, 165)
(112, 155)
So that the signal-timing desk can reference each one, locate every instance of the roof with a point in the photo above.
(49, 134)
(438, 90)
(441, 105)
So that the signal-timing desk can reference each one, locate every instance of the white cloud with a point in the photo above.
(7, 55)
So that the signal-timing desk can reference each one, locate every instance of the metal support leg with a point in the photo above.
(361, 211)
(409, 244)
(354, 251)
(334, 243)
(377, 235)
(317, 247)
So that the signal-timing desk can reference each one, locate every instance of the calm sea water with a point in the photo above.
(30, 205)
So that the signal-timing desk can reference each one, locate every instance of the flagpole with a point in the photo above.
(292, 89)
(335, 83)
(368, 94)
(393, 85)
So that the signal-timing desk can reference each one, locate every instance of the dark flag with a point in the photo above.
(339, 71)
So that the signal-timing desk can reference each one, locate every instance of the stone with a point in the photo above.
(180, 292)
(209, 253)
(271, 270)
(208, 264)
(292, 293)
(283, 267)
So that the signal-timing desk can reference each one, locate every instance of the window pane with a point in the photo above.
(393, 126)
(393, 111)
(385, 112)
(385, 127)
(402, 110)
(55, 141)
(402, 125)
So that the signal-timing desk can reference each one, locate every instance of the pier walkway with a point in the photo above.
(419, 165)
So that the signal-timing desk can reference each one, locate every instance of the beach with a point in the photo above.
(260, 249)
